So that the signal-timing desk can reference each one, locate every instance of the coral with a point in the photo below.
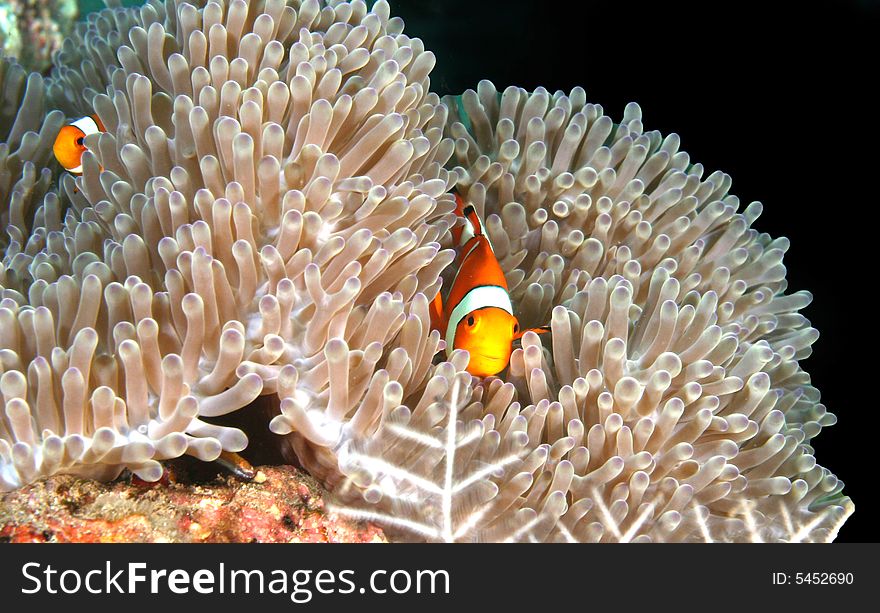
(10, 37)
(281, 506)
(32, 30)
(266, 215)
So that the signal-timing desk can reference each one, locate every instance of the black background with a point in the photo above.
(779, 97)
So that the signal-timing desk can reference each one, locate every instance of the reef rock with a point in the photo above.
(32, 30)
(281, 504)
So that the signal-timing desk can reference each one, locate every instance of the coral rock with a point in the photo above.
(32, 30)
(281, 505)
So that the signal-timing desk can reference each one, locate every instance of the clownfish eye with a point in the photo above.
(79, 141)
(515, 328)
(470, 320)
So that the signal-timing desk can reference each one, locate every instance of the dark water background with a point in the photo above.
(777, 96)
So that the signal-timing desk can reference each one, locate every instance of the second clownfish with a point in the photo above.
(478, 314)
(69, 144)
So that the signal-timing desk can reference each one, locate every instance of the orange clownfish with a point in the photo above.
(69, 146)
(478, 314)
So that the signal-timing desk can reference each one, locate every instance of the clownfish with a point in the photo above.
(478, 314)
(69, 144)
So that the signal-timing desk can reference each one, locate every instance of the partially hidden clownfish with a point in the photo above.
(69, 144)
(477, 314)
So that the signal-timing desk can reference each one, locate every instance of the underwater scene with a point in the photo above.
(268, 277)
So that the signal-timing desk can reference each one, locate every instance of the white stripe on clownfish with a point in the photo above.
(480, 297)
(468, 231)
(87, 125)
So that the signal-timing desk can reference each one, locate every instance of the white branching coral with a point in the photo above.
(253, 221)
(669, 400)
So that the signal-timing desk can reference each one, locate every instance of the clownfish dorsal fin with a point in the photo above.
(471, 215)
(472, 227)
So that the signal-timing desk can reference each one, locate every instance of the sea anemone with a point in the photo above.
(253, 221)
(669, 404)
(267, 214)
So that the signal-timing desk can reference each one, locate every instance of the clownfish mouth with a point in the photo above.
(487, 365)
(494, 358)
